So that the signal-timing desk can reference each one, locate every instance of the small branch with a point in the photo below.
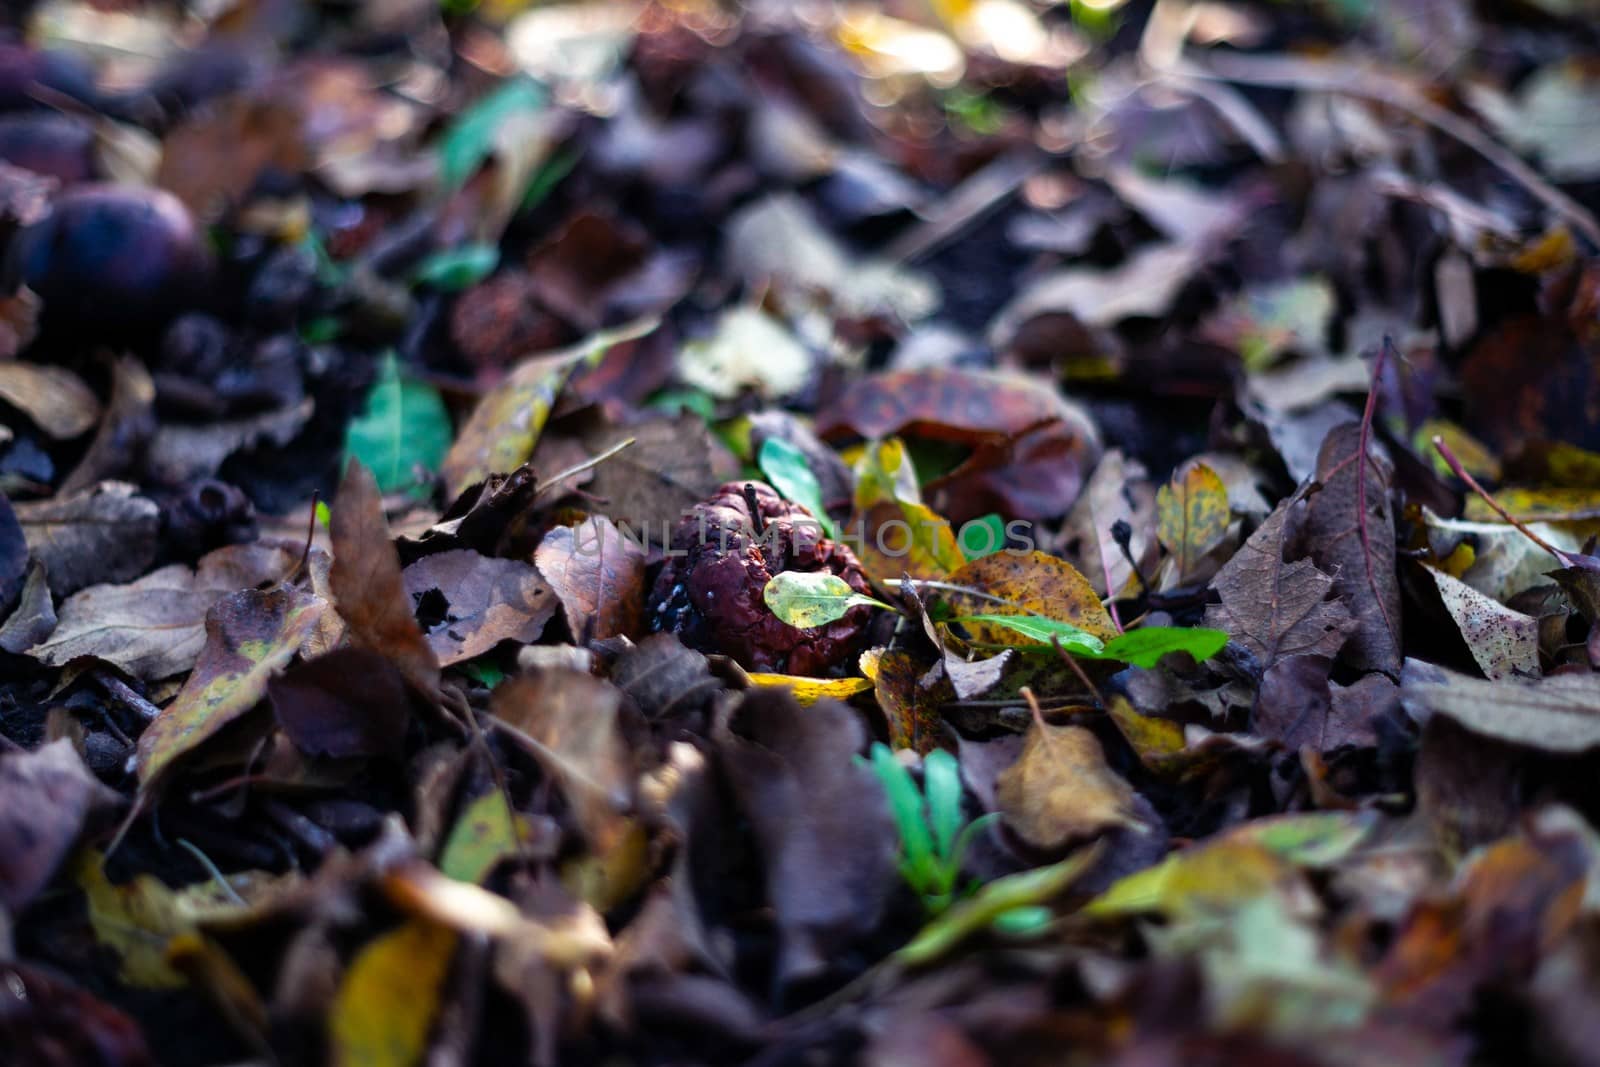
(1566, 559)
(593, 461)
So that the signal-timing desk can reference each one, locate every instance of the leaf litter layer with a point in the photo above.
(983, 532)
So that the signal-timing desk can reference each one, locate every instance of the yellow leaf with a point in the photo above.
(1158, 742)
(390, 995)
(1551, 505)
(1033, 583)
(605, 880)
(893, 531)
(140, 919)
(1192, 514)
(249, 636)
(502, 430)
(810, 690)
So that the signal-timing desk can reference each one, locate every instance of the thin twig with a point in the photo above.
(1077, 668)
(592, 461)
(1566, 559)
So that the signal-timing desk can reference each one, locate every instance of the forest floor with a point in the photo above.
(939, 533)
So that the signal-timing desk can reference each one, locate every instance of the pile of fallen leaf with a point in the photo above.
(949, 532)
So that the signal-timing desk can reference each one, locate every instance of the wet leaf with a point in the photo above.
(250, 636)
(390, 996)
(807, 599)
(403, 432)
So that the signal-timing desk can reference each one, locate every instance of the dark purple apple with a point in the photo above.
(112, 258)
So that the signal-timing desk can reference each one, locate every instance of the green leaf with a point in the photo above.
(805, 599)
(483, 672)
(673, 401)
(1143, 647)
(403, 428)
(470, 139)
(487, 832)
(1027, 921)
(324, 514)
(1039, 628)
(1029, 889)
(454, 269)
(789, 472)
(321, 330)
(941, 781)
(918, 863)
(982, 537)
(548, 176)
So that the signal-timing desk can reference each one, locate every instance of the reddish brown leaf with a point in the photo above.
(367, 585)
(599, 576)
(1358, 549)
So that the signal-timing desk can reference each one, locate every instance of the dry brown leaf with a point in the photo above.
(571, 720)
(1277, 609)
(368, 588)
(53, 397)
(599, 576)
(1359, 552)
(155, 627)
(45, 795)
(105, 534)
(1060, 789)
(473, 602)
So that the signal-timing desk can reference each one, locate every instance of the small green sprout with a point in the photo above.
(934, 834)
